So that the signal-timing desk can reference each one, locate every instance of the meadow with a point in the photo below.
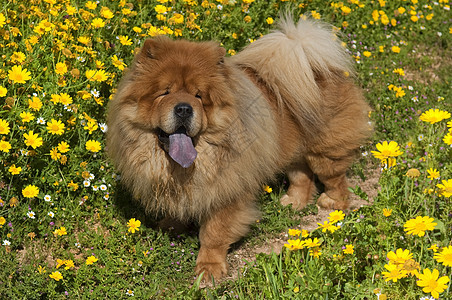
(68, 230)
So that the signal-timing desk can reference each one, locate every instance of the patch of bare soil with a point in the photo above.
(247, 252)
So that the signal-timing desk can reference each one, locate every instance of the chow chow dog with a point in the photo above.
(195, 134)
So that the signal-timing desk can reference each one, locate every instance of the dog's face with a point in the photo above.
(179, 90)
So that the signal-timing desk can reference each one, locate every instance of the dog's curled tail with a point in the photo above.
(293, 59)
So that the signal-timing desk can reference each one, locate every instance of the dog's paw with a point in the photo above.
(209, 270)
(296, 203)
(326, 202)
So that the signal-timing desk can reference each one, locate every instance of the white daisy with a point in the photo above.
(31, 214)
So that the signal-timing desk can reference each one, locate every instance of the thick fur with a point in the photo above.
(283, 104)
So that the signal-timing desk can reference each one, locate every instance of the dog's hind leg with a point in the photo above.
(331, 172)
(302, 187)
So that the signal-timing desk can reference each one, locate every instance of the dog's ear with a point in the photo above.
(152, 46)
(148, 48)
(221, 54)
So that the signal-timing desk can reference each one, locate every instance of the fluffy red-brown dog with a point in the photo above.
(195, 135)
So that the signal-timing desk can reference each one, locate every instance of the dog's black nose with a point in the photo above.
(183, 110)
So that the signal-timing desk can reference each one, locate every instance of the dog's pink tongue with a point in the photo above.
(181, 149)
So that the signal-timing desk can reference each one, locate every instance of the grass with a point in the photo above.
(62, 208)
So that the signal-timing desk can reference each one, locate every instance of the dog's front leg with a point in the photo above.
(218, 231)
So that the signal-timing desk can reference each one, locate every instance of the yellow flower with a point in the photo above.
(395, 49)
(55, 127)
(401, 10)
(118, 63)
(419, 225)
(65, 99)
(18, 75)
(446, 188)
(106, 13)
(91, 5)
(315, 252)
(295, 244)
(60, 68)
(30, 191)
(98, 23)
(387, 150)
(26, 117)
(177, 18)
(160, 9)
(3, 91)
(387, 212)
(134, 225)
(2, 20)
(311, 243)
(69, 264)
(56, 275)
(269, 20)
(304, 233)
(17, 57)
(336, 216)
(90, 260)
(399, 257)
(294, 232)
(54, 154)
(430, 282)
(14, 170)
(2, 221)
(315, 15)
(72, 185)
(433, 247)
(70, 10)
(93, 146)
(4, 127)
(5, 146)
(399, 71)
(34, 103)
(414, 18)
(63, 147)
(448, 138)
(268, 189)
(32, 139)
(433, 116)
(41, 269)
(60, 231)
(96, 75)
(432, 174)
(349, 249)
(367, 53)
(328, 226)
(55, 98)
(85, 40)
(411, 266)
(394, 273)
(346, 10)
(125, 40)
(445, 256)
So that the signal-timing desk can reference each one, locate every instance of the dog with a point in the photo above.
(195, 134)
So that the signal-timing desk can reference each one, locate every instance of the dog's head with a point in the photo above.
(179, 89)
